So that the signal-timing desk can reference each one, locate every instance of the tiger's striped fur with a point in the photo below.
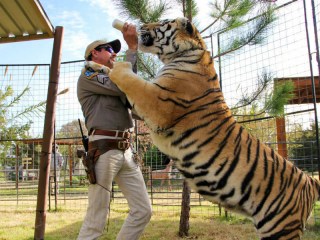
(190, 121)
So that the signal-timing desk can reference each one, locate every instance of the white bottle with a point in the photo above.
(118, 24)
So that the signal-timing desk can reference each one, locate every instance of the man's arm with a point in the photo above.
(131, 56)
(129, 33)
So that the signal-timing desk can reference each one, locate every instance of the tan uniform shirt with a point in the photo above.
(103, 105)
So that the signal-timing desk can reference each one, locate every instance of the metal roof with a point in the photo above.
(23, 20)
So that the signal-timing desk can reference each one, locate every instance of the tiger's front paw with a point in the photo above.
(96, 67)
(120, 71)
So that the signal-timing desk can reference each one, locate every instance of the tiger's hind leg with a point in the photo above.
(285, 230)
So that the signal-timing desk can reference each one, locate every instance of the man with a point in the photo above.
(55, 167)
(108, 119)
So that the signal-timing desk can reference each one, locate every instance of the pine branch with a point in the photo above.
(30, 111)
(189, 8)
(263, 82)
(145, 68)
(275, 101)
(142, 10)
(231, 12)
(8, 92)
(280, 96)
(254, 37)
(17, 98)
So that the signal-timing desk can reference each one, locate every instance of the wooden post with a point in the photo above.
(17, 167)
(48, 133)
(185, 211)
(281, 137)
(70, 164)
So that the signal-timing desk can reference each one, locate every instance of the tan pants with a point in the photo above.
(118, 166)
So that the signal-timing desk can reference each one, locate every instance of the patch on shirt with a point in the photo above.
(90, 74)
(103, 79)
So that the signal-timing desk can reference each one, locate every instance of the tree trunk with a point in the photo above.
(185, 211)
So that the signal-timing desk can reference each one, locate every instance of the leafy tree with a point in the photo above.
(155, 159)
(72, 130)
(10, 127)
(232, 14)
(303, 148)
(265, 99)
(15, 125)
(144, 10)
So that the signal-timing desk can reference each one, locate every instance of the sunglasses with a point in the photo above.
(107, 48)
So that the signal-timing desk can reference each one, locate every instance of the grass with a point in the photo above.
(18, 219)
(65, 224)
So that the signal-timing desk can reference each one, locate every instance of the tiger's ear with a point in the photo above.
(187, 25)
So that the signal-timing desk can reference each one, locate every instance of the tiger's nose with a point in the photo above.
(147, 39)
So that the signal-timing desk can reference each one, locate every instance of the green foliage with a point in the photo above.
(154, 158)
(189, 8)
(144, 10)
(302, 148)
(10, 128)
(280, 96)
(252, 96)
(148, 66)
(8, 119)
(234, 15)
(263, 100)
(148, 11)
(71, 130)
(231, 12)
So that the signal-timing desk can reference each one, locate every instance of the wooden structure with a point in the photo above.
(60, 142)
(23, 20)
(302, 89)
(303, 94)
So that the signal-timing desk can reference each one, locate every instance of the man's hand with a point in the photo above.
(130, 35)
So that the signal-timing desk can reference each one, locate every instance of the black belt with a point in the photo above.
(114, 133)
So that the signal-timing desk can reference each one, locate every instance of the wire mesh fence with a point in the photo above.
(284, 56)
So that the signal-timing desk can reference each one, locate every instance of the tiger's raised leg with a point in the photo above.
(142, 95)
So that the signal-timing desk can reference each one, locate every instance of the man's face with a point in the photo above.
(104, 55)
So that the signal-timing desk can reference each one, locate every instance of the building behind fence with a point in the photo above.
(288, 54)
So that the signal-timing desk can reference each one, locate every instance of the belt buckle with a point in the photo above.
(125, 135)
(122, 145)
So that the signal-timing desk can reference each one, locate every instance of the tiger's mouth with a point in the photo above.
(147, 39)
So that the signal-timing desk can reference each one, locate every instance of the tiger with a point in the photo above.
(190, 121)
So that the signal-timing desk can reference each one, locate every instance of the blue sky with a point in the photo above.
(83, 21)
